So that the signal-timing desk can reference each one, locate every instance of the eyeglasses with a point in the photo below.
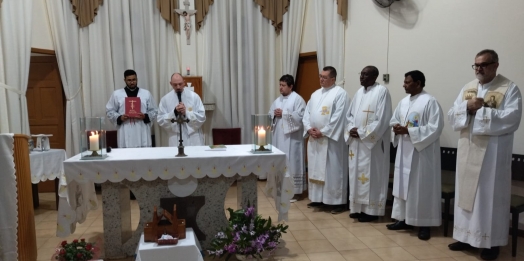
(482, 65)
(324, 77)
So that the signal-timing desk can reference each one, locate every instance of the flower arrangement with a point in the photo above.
(75, 251)
(247, 234)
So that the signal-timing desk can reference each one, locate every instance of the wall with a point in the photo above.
(439, 38)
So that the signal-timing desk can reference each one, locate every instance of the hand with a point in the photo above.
(354, 133)
(181, 108)
(124, 117)
(315, 133)
(400, 130)
(278, 112)
(474, 104)
(141, 116)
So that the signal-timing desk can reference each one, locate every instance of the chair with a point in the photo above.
(448, 193)
(517, 207)
(227, 136)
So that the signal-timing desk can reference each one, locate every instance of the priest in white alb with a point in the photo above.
(286, 113)
(132, 131)
(367, 134)
(184, 102)
(417, 123)
(324, 121)
(483, 180)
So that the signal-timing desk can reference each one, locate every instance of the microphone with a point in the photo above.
(179, 94)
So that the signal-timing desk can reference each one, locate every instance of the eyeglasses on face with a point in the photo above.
(482, 65)
(324, 77)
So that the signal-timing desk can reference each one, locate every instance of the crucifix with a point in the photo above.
(132, 104)
(180, 120)
(186, 13)
(367, 115)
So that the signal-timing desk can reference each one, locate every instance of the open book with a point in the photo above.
(217, 147)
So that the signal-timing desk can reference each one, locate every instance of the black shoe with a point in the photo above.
(315, 204)
(399, 225)
(366, 218)
(424, 233)
(490, 253)
(459, 246)
(354, 215)
(338, 209)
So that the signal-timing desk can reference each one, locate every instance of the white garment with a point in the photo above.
(132, 133)
(334, 189)
(417, 187)
(370, 113)
(9, 202)
(288, 136)
(191, 132)
(487, 225)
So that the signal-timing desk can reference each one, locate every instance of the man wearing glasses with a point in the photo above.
(324, 120)
(367, 134)
(483, 180)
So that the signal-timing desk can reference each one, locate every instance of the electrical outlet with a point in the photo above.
(385, 77)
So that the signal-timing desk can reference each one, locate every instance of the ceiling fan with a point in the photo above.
(384, 3)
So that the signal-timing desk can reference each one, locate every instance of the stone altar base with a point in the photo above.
(120, 240)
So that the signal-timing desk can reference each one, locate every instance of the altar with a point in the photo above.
(155, 173)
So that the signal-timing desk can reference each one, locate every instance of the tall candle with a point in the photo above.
(93, 141)
(261, 137)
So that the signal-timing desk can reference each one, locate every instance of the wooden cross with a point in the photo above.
(186, 13)
(363, 179)
(367, 114)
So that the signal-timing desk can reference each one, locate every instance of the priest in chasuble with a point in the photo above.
(182, 101)
(483, 179)
(417, 123)
(367, 133)
(324, 121)
(286, 113)
(132, 132)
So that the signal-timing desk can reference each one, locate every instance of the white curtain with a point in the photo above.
(330, 37)
(291, 36)
(15, 54)
(124, 35)
(240, 63)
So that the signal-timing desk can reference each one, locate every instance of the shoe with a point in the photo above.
(366, 218)
(315, 204)
(292, 200)
(490, 253)
(459, 246)
(338, 210)
(399, 225)
(424, 233)
(354, 215)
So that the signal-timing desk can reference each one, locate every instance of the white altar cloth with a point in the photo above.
(8, 204)
(149, 164)
(186, 249)
(46, 165)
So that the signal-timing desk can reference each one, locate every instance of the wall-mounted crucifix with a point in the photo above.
(186, 13)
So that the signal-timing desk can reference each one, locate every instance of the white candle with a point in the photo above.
(93, 141)
(261, 137)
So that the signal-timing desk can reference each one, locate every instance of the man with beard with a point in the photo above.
(483, 180)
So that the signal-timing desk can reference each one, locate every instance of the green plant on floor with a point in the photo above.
(75, 251)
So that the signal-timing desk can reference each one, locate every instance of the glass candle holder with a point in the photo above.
(92, 139)
(262, 135)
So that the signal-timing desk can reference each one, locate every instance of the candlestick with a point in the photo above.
(261, 137)
(93, 141)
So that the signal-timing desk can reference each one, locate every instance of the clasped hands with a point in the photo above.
(400, 130)
(315, 133)
(181, 108)
(140, 116)
(277, 112)
(474, 104)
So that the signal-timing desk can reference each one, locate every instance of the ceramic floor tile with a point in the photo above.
(300, 225)
(293, 257)
(326, 223)
(347, 243)
(393, 253)
(303, 235)
(316, 246)
(297, 217)
(445, 249)
(336, 233)
(425, 252)
(331, 256)
(407, 240)
(289, 249)
(361, 254)
(377, 241)
(367, 231)
(320, 216)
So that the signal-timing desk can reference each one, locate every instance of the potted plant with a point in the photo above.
(75, 251)
(248, 236)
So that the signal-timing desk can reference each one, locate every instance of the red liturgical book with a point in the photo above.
(132, 106)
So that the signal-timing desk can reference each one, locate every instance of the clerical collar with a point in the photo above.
(131, 90)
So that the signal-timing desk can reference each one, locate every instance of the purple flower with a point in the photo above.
(272, 244)
(232, 248)
(250, 211)
(237, 237)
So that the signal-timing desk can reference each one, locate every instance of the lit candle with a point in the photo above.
(187, 69)
(93, 141)
(261, 136)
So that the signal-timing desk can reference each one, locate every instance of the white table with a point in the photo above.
(148, 171)
(46, 165)
(186, 249)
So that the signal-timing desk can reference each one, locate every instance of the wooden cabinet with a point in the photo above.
(196, 81)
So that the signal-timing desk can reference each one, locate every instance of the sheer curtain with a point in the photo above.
(15, 55)
(330, 37)
(291, 36)
(125, 35)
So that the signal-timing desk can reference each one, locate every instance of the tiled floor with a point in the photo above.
(312, 235)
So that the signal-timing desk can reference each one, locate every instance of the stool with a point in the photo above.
(517, 207)
(448, 193)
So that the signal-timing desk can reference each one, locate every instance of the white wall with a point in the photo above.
(439, 38)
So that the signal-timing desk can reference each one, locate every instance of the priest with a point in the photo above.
(483, 180)
(324, 121)
(181, 101)
(417, 124)
(132, 131)
(286, 113)
(367, 134)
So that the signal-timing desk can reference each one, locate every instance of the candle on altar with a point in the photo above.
(93, 141)
(188, 69)
(261, 136)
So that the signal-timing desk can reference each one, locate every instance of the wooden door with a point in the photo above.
(45, 104)
(307, 80)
